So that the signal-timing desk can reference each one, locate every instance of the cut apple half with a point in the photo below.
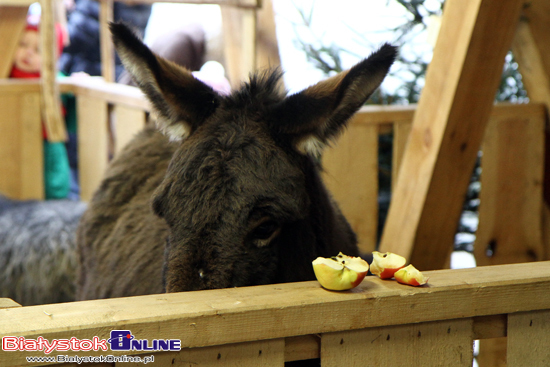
(340, 272)
(411, 276)
(385, 264)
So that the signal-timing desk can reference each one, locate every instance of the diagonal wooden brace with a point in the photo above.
(448, 128)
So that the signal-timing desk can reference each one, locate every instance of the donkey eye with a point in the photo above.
(265, 230)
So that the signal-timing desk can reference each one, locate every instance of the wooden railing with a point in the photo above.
(380, 323)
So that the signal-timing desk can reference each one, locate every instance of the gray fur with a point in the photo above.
(37, 250)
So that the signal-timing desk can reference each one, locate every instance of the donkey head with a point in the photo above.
(242, 196)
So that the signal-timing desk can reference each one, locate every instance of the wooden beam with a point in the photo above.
(107, 50)
(239, 31)
(51, 102)
(267, 49)
(447, 130)
(93, 142)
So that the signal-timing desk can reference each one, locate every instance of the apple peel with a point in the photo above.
(409, 275)
(340, 272)
(385, 264)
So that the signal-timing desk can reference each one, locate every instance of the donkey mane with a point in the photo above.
(261, 91)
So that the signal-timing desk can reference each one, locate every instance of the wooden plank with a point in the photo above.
(402, 345)
(447, 129)
(222, 316)
(32, 149)
(351, 166)
(382, 114)
(534, 75)
(128, 122)
(268, 353)
(401, 133)
(13, 18)
(21, 154)
(267, 49)
(536, 14)
(492, 353)
(532, 53)
(511, 209)
(528, 342)
(112, 93)
(107, 50)
(51, 103)
(92, 144)
(8, 303)
(488, 327)
(239, 31)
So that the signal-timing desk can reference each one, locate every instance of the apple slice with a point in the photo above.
(411, 276)
(340, 272)
(386, 264)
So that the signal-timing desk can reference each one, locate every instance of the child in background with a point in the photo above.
(26, 64)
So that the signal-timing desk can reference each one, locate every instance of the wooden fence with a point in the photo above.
(380, 323)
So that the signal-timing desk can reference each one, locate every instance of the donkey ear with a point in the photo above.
(181, 101)
(319, 113)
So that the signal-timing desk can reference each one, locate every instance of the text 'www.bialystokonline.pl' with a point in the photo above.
(91, 359)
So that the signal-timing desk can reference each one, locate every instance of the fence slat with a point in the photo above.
(510, 212)
(92, 143)
(32, 148)
(351, 175)
(403, 345)
(528, 342)
(265, 353)
(401, 132)
(21, 151)
(128, 122)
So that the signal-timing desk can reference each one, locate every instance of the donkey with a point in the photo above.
(229, 194)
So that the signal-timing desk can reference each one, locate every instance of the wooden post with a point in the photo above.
(93, 133)
(267, 49)
(107, 49)
(447, 129)
(239, 30)
(51, 103)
